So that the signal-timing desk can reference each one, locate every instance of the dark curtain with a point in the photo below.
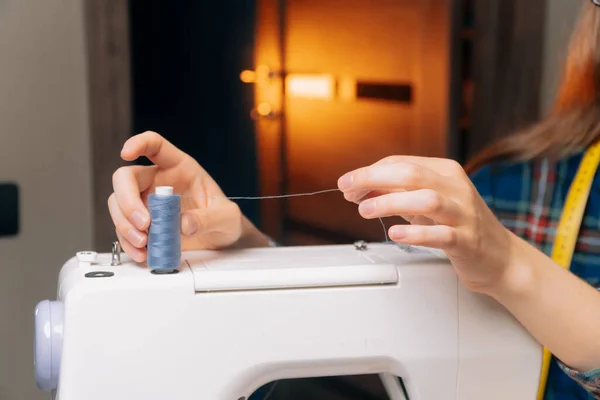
(186, 61)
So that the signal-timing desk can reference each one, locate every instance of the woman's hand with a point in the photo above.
(446, 212)
(209, 220)
(444, 209)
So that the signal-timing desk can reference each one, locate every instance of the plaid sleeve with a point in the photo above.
(590, 380)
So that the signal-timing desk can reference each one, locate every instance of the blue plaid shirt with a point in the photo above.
(528, 199)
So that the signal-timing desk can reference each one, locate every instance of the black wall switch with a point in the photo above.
(9, 209)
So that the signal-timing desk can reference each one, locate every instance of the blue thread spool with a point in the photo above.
(164, 240)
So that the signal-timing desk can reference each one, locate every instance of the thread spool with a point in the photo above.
(164, 238)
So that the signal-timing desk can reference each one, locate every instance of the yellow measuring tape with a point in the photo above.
(567, 231)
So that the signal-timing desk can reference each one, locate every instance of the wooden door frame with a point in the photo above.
(109, 77)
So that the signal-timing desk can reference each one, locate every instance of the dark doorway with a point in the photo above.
(186, 61)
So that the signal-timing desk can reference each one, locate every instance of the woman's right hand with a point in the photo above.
(208, 221)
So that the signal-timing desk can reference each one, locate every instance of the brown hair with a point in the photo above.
(574, 121)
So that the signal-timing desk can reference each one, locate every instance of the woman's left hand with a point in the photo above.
(445, 212)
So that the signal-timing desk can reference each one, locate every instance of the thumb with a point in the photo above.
(194, 222)
(218, 217)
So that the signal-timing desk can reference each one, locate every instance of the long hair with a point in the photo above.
(574, 121)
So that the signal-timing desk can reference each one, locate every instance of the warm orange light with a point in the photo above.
(264, 109)
(346, 88)
(263, 74)
(263, 71)
(310, 86)
(248, 76)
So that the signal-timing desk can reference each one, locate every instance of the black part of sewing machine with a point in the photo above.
(99, 274)
(164, 272)
(9, 209)
(356, 387)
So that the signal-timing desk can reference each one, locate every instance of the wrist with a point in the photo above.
(519, 276)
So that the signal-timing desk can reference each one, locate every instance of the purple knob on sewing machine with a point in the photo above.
(48, 344)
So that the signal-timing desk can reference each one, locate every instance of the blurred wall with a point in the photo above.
(561, 16)
(44, 147)
(388, 42)
(397, 42)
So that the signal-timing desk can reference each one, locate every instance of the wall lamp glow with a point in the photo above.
(305, 85)
(263, 111)
(248, 76)
(263, 74)
(315, 86)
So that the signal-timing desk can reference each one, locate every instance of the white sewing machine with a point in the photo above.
(227, 323)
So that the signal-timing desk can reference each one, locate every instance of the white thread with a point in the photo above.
(282, 196)
(384, 230)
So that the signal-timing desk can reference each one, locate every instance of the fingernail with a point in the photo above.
(367, 207)
(345, 182)
(135, 237)
(139, 219)
(398, 232)
(188, 225)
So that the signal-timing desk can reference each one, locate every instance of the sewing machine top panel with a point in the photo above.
(300, 267)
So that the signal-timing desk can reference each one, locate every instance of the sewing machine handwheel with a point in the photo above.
(47, 344)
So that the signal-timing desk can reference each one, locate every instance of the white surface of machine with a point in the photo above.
(229, 322)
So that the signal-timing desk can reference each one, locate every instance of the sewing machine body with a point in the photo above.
(230, 322)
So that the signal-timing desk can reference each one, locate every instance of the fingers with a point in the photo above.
(443, 166)
(128, 183)
(216, 218)
(424, 202)
(362, 195)
(435, 236)
(407, 166)
(153, 146)
(419, 220)
(393, 177)
(138, 255)
(132, 240)
(122, 224)
(129, 215)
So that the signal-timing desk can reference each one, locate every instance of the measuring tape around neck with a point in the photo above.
(568, 227)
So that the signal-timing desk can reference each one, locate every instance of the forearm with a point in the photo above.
(560, 310)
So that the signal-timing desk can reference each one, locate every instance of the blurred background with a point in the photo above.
(270, 96)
